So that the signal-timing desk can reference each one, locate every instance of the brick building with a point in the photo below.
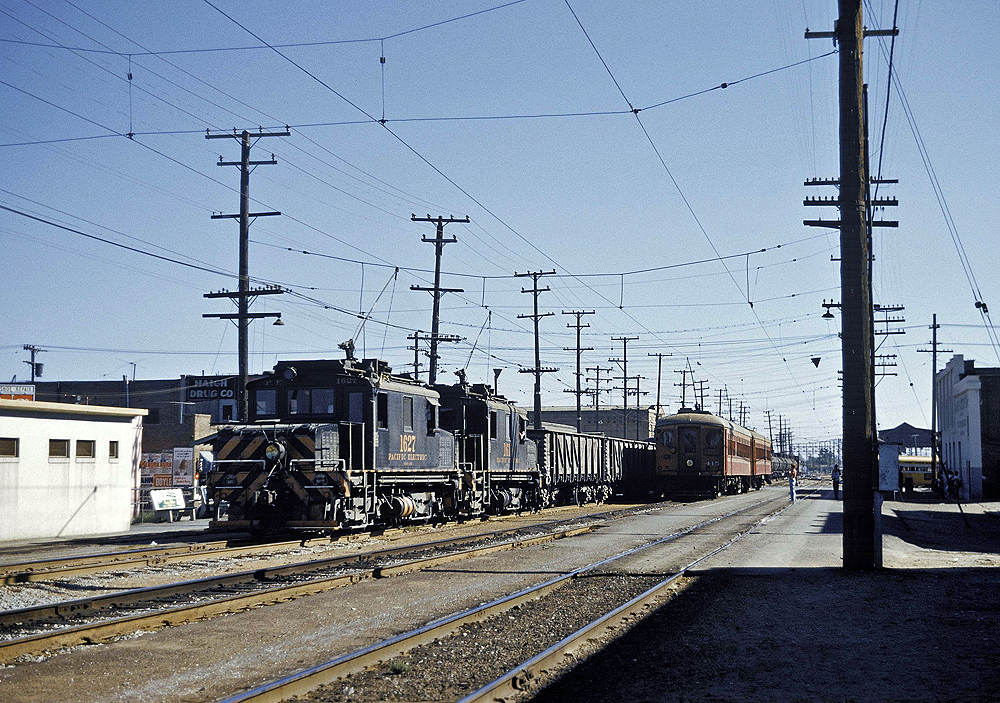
(181, 410)
(609, 419)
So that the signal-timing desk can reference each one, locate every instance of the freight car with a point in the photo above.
(783, 464)
(582, 468)
(701, 454)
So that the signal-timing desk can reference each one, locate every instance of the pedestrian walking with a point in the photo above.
(835, 475)
(791, 483)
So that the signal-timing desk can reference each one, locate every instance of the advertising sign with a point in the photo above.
(182, 466)
(169, 499)
(15, 391)
(210, 388)
(156, 470)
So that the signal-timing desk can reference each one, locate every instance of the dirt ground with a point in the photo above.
(925, 629)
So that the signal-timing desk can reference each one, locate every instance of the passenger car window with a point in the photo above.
(690, 439)
(713, 439)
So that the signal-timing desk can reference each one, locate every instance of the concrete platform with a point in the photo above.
(776, 618)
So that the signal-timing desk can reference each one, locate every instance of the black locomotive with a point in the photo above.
(346, 444)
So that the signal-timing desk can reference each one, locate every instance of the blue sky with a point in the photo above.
(582, 186)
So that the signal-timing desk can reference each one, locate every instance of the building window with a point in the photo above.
(113, 449)
(85, 449)
(9, 447)
(227, 413)
(59, 449)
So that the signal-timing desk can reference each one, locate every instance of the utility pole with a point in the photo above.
(415, 337)
(934, 435)
(579, 351)
(700, 393)
(624, 363)
(597, 393)
(36, 368)
(439, 241)
(638, 412)
(244, 297)
(683, 384)
(862, 541)
(659, 371)
(539, 369)
(770, 433)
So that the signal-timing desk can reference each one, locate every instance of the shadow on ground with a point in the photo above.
(806, 635)
(819, 634)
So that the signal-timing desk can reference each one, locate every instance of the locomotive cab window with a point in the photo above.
(298, 401)
(355, 408)
(493, 425)
(383, 411)
(322, 401)
(265, 402)
(431, 418)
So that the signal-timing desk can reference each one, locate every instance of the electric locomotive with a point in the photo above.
(699, 454)
(338, 443)
(497, 461)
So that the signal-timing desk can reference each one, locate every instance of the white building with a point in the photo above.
(66, 469)
(959, 398)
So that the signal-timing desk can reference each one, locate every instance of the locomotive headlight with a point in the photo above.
(689, 462)
(274, 451)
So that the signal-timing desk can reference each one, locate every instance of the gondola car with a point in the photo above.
(337, 444)
(701, 454)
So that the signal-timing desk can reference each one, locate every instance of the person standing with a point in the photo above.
(791, 483)
(835, 475)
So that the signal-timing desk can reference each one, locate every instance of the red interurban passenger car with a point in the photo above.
(701, 454)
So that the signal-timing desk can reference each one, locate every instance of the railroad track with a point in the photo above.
(49, 569)
(63, 567)
(171, 604)
(525, 675)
